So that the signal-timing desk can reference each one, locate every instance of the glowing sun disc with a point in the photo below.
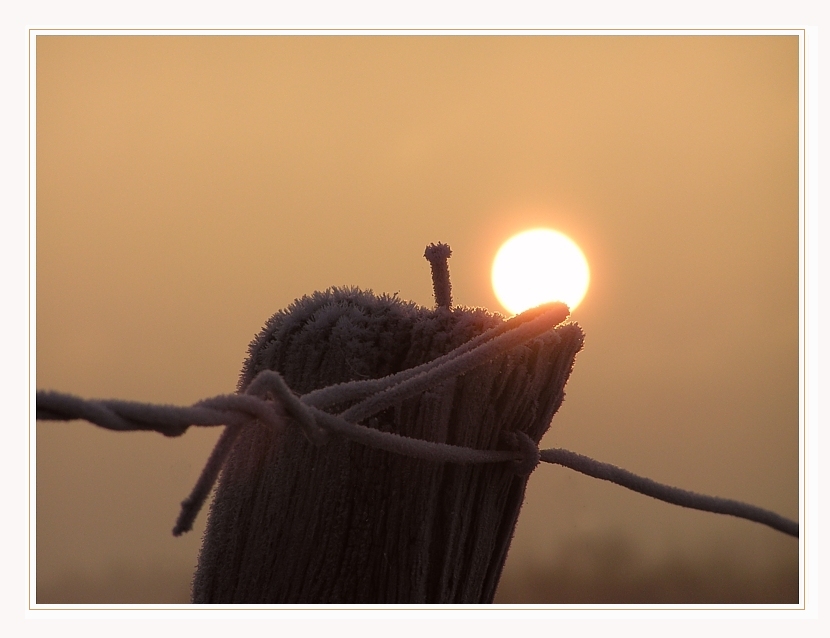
(539, 266)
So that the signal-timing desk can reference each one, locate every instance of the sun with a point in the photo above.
(538, 266)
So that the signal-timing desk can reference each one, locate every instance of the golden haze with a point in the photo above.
(189, 187)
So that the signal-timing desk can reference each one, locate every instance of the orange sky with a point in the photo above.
(190, 187)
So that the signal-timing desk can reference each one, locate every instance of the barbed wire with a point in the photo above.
(269, 401)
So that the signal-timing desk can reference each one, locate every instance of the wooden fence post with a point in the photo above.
(344, 523)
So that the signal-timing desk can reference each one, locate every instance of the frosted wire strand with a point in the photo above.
(674, 495)
(413, 448)
(194, 502)
(54, 406)
(457, 365)
(125, 416)
(354, 390)
(437, 256)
